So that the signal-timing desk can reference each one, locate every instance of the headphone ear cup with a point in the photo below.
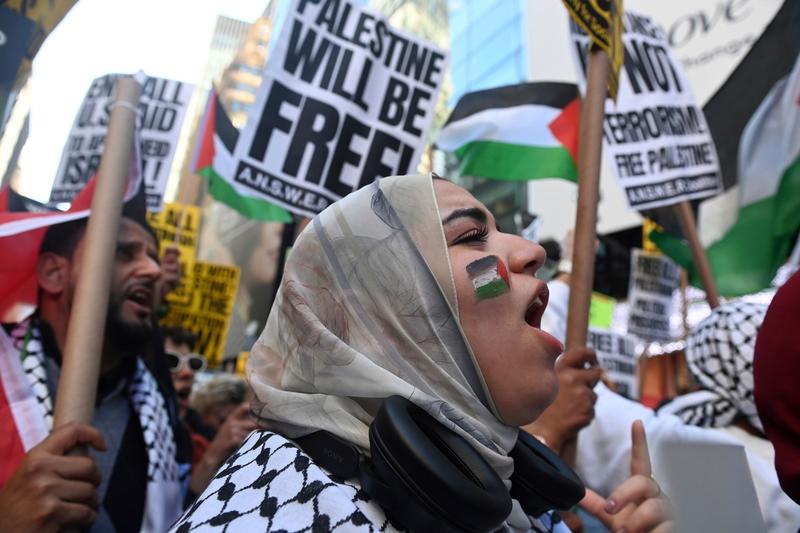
(429, 477)
(542, 480)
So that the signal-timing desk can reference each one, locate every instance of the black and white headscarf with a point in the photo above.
(719, 353)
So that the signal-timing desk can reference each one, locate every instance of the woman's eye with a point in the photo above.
(477, 235)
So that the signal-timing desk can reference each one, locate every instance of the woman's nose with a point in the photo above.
(526, 257)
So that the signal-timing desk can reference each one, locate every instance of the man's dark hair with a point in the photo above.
(62, 239)
(180, 336)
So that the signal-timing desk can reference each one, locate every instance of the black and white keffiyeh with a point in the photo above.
(165, 477)
(270, 484)
(719, 353)
(27, 340)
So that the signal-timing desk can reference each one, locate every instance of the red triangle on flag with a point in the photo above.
(565, 127)
(205, 150)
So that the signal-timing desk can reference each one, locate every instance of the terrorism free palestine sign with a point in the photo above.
(345, 98)
(656, 137)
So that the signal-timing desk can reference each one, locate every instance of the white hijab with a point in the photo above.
(367, 308)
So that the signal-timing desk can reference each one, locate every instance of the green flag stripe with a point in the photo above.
(747, 258)
(515, 162)
(247, 206)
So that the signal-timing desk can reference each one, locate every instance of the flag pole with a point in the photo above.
(77, 386)
(686, 218)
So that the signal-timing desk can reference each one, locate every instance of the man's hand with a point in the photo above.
(573, 409)
(170, 270)
(637, 505)
(51, 490)
(230, 436)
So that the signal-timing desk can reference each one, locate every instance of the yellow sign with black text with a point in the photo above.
(210, 291)
(178, 225)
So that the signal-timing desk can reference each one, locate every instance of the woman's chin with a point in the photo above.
(532, 410)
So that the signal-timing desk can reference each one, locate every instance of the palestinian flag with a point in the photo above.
(213, 159)
(758, 238)
(517, 132)
(749, 230)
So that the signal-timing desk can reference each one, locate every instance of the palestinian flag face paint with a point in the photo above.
(489, 276)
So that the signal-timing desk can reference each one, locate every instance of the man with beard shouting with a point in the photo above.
(132, 481)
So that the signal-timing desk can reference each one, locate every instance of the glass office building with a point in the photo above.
(487, 44)
(488, 49)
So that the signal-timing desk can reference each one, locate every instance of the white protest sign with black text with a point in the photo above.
(654, 278)
(345, 98)
(656, 137)
(617, 355)
(161, 110)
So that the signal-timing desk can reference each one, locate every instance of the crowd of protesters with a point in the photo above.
(394, 307)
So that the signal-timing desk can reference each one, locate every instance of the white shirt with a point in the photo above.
(604, 446)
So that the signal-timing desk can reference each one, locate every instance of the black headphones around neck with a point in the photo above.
(429, 479)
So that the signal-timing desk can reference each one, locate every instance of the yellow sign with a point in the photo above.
(210, 291)
(178, 225)
(602, 21)
(648, 226)
(241, 363)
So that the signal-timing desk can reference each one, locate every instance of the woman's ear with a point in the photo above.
(52, 273)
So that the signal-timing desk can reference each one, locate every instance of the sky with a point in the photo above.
(164, 38)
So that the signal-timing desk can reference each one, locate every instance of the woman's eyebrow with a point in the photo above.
(469, 212)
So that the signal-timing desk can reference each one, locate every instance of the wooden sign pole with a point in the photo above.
(590, 146)
(686, 218)
(77, 386)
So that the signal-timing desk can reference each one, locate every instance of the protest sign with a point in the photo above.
(602, 20)
(178, 225)
(653, 280)
(211, 289)
(161, 111)
(656, 136)
(617, 355)
(345, 98)
(241, 363)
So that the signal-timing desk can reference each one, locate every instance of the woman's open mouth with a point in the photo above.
(537, 305)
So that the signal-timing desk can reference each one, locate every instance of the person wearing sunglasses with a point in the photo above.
(192, 361)
(183, 364)
(211, 445)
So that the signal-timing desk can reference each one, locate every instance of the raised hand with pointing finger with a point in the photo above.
(637, 505)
